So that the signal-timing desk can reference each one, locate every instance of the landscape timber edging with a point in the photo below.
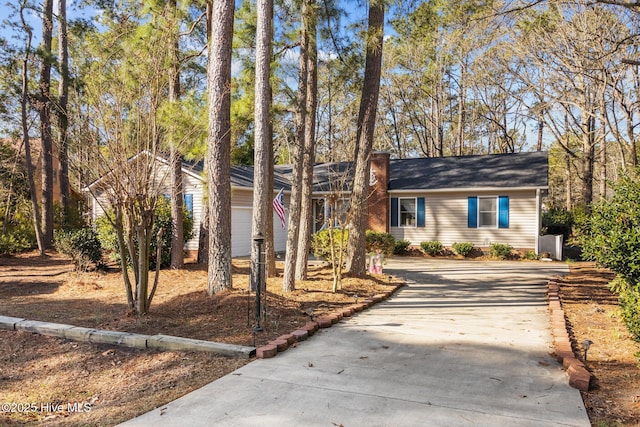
(172, 343)
(126, 339)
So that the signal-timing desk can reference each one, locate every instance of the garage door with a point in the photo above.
(240, 231)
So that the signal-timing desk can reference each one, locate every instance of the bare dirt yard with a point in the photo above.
(105, 385)
(41, 377)
(613, 359)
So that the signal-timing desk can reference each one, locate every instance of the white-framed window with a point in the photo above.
(318, 214)
(326, 209)
(408, 211)
(488, 212)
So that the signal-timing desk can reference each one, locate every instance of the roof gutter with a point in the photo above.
(467, 190)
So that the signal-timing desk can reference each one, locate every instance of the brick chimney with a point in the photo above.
(379, 196)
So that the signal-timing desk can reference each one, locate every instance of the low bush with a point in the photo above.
(13, 243)
(322, 241)
(82, 245)
(432, 247)
(500, 250)
(401, 247)
(557, 221)
(629, 300)
(531, 255)
(20, 234)
(380, 243)
(463, 248)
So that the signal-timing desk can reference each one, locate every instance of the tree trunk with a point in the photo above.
(269, 248)
(24, 105)
(203, 235)
(63, 117)
(356, 253)
(588, 160)
(295, 201)
(177, 220)
(44, 108)
(261, 199)
(461, 110)
(308, 152)
(218, 160)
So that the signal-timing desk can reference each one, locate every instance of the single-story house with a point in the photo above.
(193, 188)
(481, 199)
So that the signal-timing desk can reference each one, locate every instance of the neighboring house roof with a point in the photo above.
(242, 176)
(327, 177)
(520, 170)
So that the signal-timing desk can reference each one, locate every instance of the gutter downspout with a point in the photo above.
(538, 220)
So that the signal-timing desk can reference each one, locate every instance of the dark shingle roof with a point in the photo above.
(487, 171)
(242, 176)
(519, 170)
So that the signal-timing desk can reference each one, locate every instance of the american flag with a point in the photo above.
(278, 206)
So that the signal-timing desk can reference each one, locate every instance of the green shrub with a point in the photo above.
(380, 242)
(629, 299)
(322, 240)
(432, 247)
(500, 250)
(108, 239)
(464, 248)
(82, 245)
(13, 243)
(401, 246)
(74, 219)
(531, 255)
(21, 235)
(557, 221)
(611, 234)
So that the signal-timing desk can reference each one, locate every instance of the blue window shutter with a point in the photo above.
(394, 211)
(472, 213)
(420, 213)
(503, 212)
(188, 202)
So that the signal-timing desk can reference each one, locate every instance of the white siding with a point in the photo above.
(242, 205)
(446, 220)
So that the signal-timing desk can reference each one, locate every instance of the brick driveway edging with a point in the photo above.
(579, 377)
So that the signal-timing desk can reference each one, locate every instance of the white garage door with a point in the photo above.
(240, 231)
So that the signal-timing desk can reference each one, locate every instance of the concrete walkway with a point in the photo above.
(464, 344)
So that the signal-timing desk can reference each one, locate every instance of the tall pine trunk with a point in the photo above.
(63, 117)
(218, 160)
(177, 223)
(44, 108)
(288, 282)
(356, 252)
(261, 195)
(308, 152)
(24, 106)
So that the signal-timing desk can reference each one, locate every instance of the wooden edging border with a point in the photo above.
(125, 339)
(579, 376)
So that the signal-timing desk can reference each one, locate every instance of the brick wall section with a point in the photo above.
(379, 198)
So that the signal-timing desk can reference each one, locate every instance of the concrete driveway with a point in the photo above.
(465, 343)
